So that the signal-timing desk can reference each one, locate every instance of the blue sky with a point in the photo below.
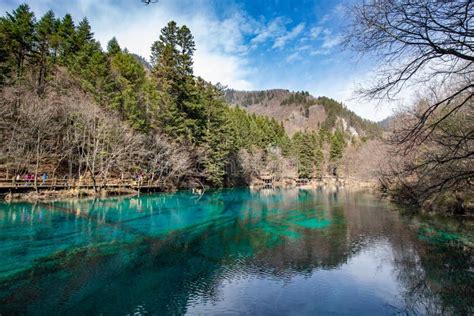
(247, 45)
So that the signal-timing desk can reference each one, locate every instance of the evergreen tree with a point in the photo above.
(164, 56)
(306, 147)
(113, 47)
(65, 36)
(83, 35)
(128, 95)
(55, 40)
(172, 69)
(214, 140)
(17, 30)
(304, 153)
(45, 31)
(185, 42)
(91, 65)
(337, 146)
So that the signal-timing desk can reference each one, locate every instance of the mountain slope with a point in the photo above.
(299, 111)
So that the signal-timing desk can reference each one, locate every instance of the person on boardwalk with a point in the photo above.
(44, 177)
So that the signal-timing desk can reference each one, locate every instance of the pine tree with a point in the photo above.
(185, 42)
(83, 35)
(215, 135)
(337, 146)
(17, 30)
(172, 69)
(306, 148)
(55, 40)
(127, 97)
(66, 32)
(113, 47)
(303, 151)
(164, 55)
(45, 30)
(91, 65)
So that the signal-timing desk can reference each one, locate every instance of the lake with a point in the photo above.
(233, 251)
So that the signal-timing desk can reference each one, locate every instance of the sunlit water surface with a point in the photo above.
(269, 252)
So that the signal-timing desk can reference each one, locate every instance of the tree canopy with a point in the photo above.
(164, 107)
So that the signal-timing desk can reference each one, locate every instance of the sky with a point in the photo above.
(244, 45)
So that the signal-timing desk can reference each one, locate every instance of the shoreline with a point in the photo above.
(65, 194)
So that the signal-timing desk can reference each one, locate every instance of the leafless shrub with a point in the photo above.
(64, 129)
(428, 45)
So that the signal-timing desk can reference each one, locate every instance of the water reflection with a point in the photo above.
(262, 252)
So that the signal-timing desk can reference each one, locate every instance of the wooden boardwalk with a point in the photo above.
(21, 186)
(268, 180)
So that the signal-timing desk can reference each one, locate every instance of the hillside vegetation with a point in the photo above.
(300, 111)
(73, 110)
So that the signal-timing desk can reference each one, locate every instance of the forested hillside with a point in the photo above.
(72, 109)
(299, 111)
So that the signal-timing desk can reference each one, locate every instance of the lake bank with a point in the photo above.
(29, 194)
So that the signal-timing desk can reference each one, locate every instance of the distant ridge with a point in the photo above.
(300, 111)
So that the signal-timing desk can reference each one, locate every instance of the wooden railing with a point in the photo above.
(54, 183)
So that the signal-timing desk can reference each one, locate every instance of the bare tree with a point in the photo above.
(418, 42)
(33, 132)
(443, 163)
(166, 162)
(427, 45)
(364, 161)
(252, 162)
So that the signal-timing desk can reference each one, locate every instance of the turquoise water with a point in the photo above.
(269, 252)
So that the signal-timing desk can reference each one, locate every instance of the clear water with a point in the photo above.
(274, 252)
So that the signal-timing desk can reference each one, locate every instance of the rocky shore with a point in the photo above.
(52, 195)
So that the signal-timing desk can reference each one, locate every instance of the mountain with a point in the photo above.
(386, 122)
(299, 111)
(142, 61)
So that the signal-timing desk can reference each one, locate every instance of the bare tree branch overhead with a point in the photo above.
(427, 46)
(417, 42)
(429, 38)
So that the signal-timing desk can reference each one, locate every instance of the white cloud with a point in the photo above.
(331, 41)
(293, 57)
(325, 19)
(274, 28)
(315, 31)
(304, 47)
(220, 42)
(228, 70)
(288, 36)
(317, 52)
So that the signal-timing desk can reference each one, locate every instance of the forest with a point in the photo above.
(72, 109)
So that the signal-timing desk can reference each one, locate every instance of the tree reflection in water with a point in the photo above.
(318, 250)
